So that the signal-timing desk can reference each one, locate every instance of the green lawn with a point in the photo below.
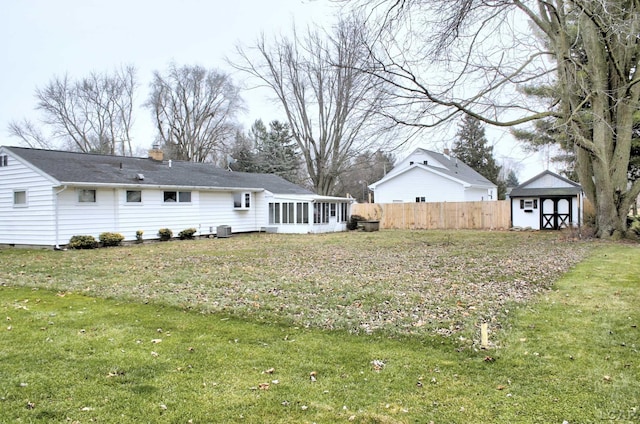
(386, 324)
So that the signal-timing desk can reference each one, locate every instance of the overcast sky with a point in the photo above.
(46, 38)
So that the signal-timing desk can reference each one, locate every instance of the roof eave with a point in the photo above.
(156, 186)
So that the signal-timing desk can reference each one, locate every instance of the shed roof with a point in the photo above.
(570, 188)
(84, 168)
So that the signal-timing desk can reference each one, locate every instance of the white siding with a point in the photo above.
(216, 208)
(418, 182)
(153, 213)
(112, 213)
(523, 219)
(480, 194)
(32, 224)
(419, 156)
(75, 218)
(548, 181)
(520, 218)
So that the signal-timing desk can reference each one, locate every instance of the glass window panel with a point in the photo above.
(134, 196)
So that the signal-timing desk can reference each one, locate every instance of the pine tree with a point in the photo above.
(268, 151)
(472, 148)
(512, 179)
(278, 152)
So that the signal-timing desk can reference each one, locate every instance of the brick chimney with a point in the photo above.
(156, 153)
(446, 152)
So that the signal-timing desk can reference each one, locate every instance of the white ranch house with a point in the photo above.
(547, 201)
(427, 176)
(48, 196)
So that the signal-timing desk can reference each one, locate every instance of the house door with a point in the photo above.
(555, 213)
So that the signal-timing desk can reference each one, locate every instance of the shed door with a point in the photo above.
(556, 213)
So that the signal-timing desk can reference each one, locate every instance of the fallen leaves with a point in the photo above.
(402, 283)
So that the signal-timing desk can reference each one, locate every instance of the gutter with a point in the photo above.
(159, 186)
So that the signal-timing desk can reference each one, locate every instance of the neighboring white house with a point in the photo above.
(547, 201)
(48, 196)
(426, 176)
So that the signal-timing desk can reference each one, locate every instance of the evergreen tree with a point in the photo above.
(267, 151)
(512, 179)
(242, 157)
(472, 148)
(278, 152)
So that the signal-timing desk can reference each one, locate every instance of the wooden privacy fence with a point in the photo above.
(431, 216)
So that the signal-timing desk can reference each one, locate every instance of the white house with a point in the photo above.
(547, 201)
(47, 196)
(426, 176)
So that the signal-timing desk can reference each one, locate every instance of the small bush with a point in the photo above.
(111, 239)
(165, 234)
(83, 242)
(187, 234)
(139, 234)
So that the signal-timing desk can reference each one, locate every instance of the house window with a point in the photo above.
(343, 212)
(288, 216)
(321, 213)
(332, 210)
(184, 196)
(425, 162)
(4, 160)
(134, 196)
(177, 196)
(242, 200)
(420, 199)
(302, 213)
(20, 198)
(529, 204)
(86, 196)
(274, 213)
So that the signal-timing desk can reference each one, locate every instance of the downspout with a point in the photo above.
(55, 211)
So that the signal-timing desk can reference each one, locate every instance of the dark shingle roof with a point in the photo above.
(537, 192)
(523, 190)
(79, 168)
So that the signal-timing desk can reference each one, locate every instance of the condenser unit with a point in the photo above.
(223, 231)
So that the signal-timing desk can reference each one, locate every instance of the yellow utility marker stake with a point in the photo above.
(484, 335)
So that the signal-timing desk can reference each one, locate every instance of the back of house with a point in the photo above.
(48, 196)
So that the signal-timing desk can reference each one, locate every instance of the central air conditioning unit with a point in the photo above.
(223, 231)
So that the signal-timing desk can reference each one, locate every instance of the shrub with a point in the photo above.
(187, 234)
(165, 234)
(83, 242)
(139, 234)
(111, 239)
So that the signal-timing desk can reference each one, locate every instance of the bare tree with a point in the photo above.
(479, 53)
(92, 114)
(329, 104)
(194, 110)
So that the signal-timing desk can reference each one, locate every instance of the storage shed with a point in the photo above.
(547, 201)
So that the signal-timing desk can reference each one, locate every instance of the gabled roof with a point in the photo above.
(570, 188)
(92, 169)
(452, 168)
